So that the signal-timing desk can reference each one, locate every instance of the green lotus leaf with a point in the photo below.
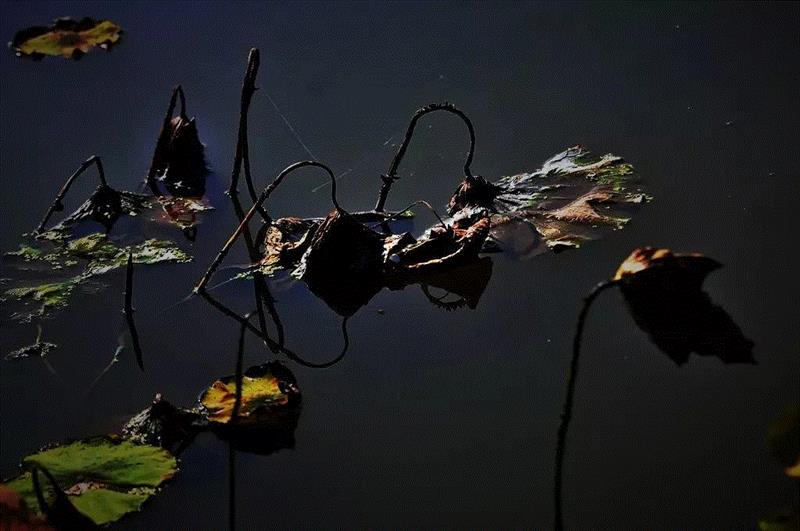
(103, 478)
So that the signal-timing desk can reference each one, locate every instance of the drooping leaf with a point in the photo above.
(573, 198)
(663, 291)
(105, 206)
(269, 394)
(103, 478)
(178, 160)
(66, 37)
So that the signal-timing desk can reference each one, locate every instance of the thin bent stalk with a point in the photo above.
(566, 412)
(254, 257)
(391, 175)
(263, 197)
(242, 154)
(57, 205)
(128, 310)
(163, 136)
(280, 348)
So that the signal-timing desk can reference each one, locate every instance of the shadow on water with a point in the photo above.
(663, 293)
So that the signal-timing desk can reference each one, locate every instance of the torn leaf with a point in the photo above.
(573, 198)
(104, 478)
(66, 37)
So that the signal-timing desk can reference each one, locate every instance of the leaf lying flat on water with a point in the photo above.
(103, 478)
(268, 393)
(66, 37)
(574, 197)
(98, 254)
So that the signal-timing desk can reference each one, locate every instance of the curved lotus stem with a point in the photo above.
(263, 197)
(177, 92)
(566, 412)
(412, 205)
(57, 204)
(242, 154)
(391, 175)
(276, 347)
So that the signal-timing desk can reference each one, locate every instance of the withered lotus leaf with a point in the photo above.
(573, 198)
(663, 291)
(651, 266)
(160, 424)
(104, 478)
(66, 37)
(269, 394)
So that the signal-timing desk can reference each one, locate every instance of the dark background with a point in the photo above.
(437, 419)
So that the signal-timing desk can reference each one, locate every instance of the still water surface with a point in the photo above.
(436, 419)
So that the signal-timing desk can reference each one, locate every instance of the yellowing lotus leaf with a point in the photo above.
(66, 37)
(267, 392)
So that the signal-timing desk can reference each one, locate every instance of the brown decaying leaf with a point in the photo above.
(663, 291)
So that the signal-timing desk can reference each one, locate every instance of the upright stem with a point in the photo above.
(391, 175)
(242, 154)
(566, 412)
(128, 310)
(164, 136)
(263, 197)
(237, 403)
(57, 204)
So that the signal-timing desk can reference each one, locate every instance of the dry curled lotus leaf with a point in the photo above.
(268, 391)
(648, 266)
(66, 37)
(103, 478)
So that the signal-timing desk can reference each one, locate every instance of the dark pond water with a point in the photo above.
(436, 419)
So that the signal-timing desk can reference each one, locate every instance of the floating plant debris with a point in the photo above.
(178, 160)
(39, 348)
(161, 424)
(574, 197)
(344, 261)
(97, 255)
(269, 393)
(66, 37)
(104, 478)
(105, 206)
